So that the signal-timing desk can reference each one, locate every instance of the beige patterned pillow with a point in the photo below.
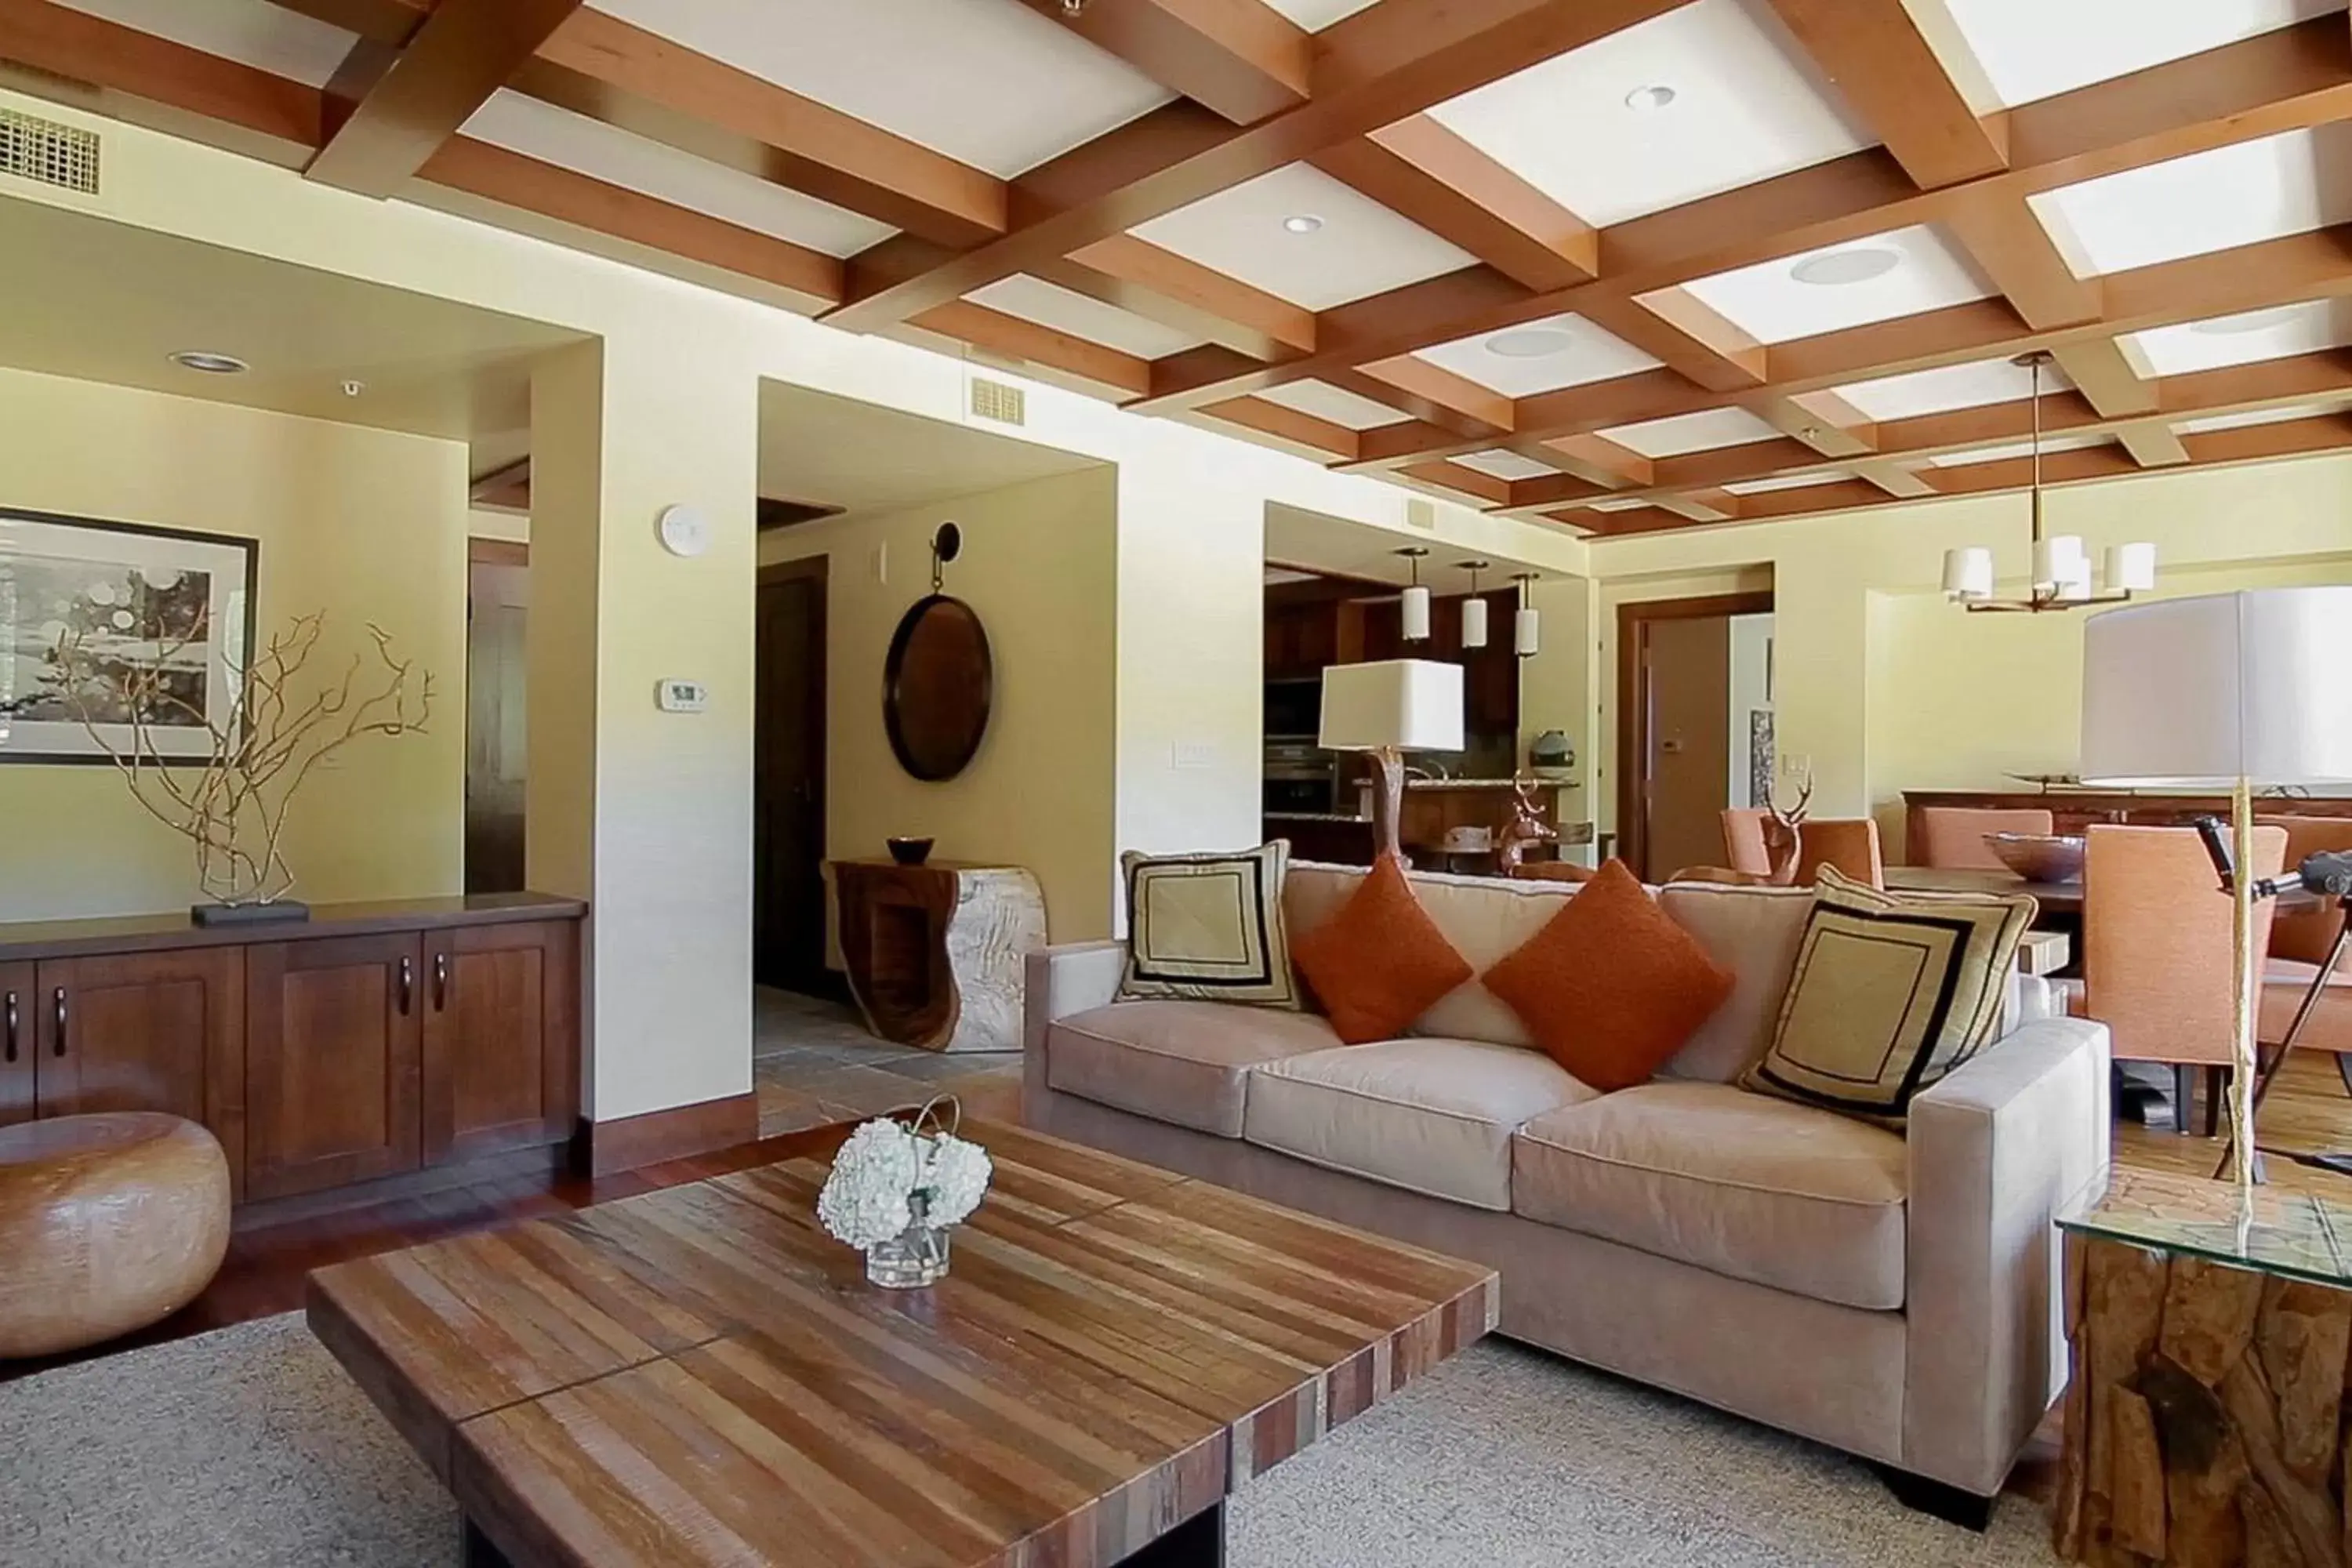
(1208, 928)
(1891, 993)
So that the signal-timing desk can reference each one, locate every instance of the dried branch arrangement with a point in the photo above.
(233, 804)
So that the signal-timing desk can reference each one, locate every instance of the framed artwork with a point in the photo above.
(1760, 755)
(135, 597)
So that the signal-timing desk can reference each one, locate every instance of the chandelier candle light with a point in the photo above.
(2061, 578)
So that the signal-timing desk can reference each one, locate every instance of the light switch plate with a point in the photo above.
(674, 696)
(1196, 755)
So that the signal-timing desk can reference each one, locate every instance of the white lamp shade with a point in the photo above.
(2198, 694)
(1416, 615)
(1527, 631)
(2054, 560)
(1413, 704)
(2131, 568)
(1473, 622)
(1967, 573)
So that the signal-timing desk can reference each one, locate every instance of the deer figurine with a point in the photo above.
(1783, 847)
(1525, 827)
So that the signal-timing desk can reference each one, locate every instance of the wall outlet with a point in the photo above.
(674, 696)
(1796, 764)
(1194, 754)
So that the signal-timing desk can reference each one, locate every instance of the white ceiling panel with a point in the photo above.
(1787, 482)
(1335, 403)
(989, 82)
(1747, 104)
(1317, 15)
(1692, 433)
(2017, 449)
(1359, 247)
(1541, 356)
(1949, 387)
(1633, 504)
(2273, 334)
(2255, 416)
(1504, 464)
(1772, 303)
(1050, 305)
(2033, 48)
(251, 32)
(591, 147)
(2231, 195)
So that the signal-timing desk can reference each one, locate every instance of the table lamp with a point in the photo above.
(1387, 709)
(2223, 691)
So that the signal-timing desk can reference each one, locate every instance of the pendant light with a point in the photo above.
(2060, 578)
(1473, 608)
(1527, 626)
(1416, 603)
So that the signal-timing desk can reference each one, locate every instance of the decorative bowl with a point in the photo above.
(2040, 856)
(909, 851)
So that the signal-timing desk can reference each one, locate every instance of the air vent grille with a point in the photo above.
(994, 400)
(40, 150)
(1420, 513)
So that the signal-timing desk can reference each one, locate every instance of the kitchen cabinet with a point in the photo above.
(143, 1031)
(500, 1038)
(331, 1062)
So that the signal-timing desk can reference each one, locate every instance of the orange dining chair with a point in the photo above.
(1955, 835)
(2157, 964)
(2299, 945)
(1850, 844)
(1743, 840)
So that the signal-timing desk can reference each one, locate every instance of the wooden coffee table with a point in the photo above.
(700, 1375)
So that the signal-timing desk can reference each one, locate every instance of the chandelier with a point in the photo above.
(2061, 578)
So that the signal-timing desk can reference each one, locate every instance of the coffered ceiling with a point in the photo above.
(1620, 265)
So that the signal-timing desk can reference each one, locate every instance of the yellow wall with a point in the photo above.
(364, 524)
(1880, 686)
(1038, 564)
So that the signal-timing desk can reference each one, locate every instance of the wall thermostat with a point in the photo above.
(672, 696)
(684, 530)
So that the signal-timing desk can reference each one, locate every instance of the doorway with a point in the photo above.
(1680, 733)
(498, 614)
(788, 779)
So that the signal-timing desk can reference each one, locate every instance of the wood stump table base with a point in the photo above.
(2204, 1420)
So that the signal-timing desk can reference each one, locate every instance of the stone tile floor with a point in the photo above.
(814, 1062)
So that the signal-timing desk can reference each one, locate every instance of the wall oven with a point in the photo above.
(1300, 777)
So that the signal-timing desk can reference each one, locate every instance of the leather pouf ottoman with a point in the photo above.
(108, 1224)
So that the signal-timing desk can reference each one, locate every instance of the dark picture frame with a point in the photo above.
(107, 576)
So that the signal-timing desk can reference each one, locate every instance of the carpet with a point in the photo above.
(248, 1449)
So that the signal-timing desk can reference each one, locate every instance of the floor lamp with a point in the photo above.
(1388, 708)
(2233, 691)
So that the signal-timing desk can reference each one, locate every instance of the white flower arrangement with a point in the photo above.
(891, 1175)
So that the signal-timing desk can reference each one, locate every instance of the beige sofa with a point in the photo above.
(1892, 1295)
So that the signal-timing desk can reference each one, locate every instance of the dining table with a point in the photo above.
(2058, 900)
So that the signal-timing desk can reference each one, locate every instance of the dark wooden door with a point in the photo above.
(788, 782)
(331, 1061)
(500, 1065)
(144, 1031)
(18, 1003)
(1687, 688)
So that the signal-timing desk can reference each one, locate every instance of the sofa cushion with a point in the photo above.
(1182, 1062)
(1381, 961)
(1208, 928)
(1754, 933)
(1484, 917)
(1744, 1185)
(1432, 1116)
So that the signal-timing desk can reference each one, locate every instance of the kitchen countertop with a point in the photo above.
(1485, 784)
(1339, 817)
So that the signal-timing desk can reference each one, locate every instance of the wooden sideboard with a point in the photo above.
(2076, 809)
(369, 1040)
(934, 953)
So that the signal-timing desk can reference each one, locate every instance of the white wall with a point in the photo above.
(1752, 664)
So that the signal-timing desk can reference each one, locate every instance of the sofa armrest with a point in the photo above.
(1995, 1150)
(1059, 982)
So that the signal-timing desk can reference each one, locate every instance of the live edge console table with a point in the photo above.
(368, 1041)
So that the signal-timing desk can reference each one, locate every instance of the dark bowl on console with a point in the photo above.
(910, 851)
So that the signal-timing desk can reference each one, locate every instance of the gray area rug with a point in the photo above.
(248, 1449)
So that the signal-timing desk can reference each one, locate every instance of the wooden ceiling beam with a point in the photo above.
(1423, 172)
(390, 22)
(420, 94)
(1893, 479)
(1999, 233)
(1458, 483)
(1386, 63)
(1242, 59)
(1417, 378)
(1159, 285)
(2153, 444)
(1288, 428)
(1043, 351)
(1607, 463)
(1676, 328)
(1877, 54)
(1822, 420)
(1430, 402)
(598, 66)
(2102, 371)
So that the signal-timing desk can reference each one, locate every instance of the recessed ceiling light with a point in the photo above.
(209, 363)
(2252, 321)
(1302, 223)
(1839, 267)
(1645, 99)
(1531, 343)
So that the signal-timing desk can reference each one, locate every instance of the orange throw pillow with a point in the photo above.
(1611, 986)
(1381, 961)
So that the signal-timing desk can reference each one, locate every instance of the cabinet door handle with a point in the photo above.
(407, 982)
(57, 1017)
(12, 1026)
(440, 981)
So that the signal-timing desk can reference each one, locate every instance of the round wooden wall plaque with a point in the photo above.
(937, 687)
